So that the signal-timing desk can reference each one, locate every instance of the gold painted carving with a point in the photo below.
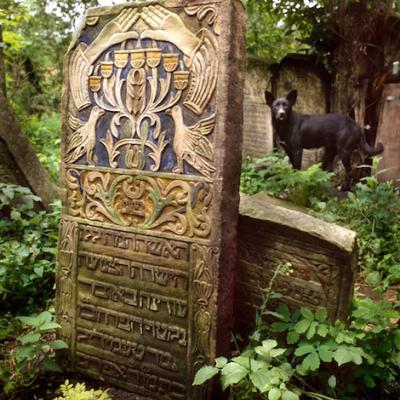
(139, 113)
(204, 259)
(201, 12)
(141, 201)
(66, 275)
(83, 140)
(116, 31)
(191, 144)
(159, 24)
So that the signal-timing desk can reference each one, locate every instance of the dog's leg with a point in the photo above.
(345, 156)
(295, 158)
(329, 156)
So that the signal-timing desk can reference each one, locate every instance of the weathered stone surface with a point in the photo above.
(152, 119)
(388, 134)
(257, 126)
(19, 163)
(323, 258)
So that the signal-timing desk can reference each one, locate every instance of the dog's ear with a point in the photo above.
(292, 97)
(269, 98)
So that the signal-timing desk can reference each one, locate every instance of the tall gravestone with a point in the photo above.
(152, 117)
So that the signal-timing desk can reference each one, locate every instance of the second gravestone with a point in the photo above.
(152, 117)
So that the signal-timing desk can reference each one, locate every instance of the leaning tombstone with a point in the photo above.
(152, 119)
(323, 259)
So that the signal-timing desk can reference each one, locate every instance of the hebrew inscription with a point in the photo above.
(147, 141)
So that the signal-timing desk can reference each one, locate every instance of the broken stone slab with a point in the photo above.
(323, 258)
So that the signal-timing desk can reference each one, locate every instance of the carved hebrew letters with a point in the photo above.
(147, 141)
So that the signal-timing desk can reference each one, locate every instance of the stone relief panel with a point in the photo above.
(145, 125)
(322, 260)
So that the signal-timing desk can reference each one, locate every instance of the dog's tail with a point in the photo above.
(366, 148)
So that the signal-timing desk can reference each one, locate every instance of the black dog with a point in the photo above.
(337, 133)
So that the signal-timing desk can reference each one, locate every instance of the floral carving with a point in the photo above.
(141, 201)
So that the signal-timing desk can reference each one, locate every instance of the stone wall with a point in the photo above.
(322, 256)
(257, 128)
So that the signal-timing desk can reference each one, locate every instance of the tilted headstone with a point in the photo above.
(152, 119)
(19, 163)
(323, 260)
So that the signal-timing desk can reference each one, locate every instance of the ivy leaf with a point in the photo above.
(277, 352)
(220, 362)
(58, 344)
(292, 337)
(261, 379)
(344, 355)
(49, 326)
(322, 330)
(48, 364)
(38, 271)
(302, 326)
(325, 354)
(369, 381)
(29, 338)
(284, 311)
(274, 394)
(232, 373)
(304, 349)
(307, 313)
(321, 314)
(279, 326)
(311, 362)
(204, 374)
(267, 346)
(311, 330)
(289, 395)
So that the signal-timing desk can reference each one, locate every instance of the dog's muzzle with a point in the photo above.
(281, 116)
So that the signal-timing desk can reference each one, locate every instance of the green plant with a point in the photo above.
(44, 133)
(373, 211)
(262, 370)
(303, 354)
(366, 348)
(29, 351)
(28, 241)
(79, 392)
(274, 175)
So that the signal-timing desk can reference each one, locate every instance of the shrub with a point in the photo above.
(274, 175)
(79, 392)
(44, 133)
(373, 211)
(28, 350)
(303, 354)
(28, 241)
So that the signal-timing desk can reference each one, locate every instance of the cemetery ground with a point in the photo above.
(310, 356)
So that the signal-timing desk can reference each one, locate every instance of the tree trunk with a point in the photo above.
(359, 59)
(2, 65)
